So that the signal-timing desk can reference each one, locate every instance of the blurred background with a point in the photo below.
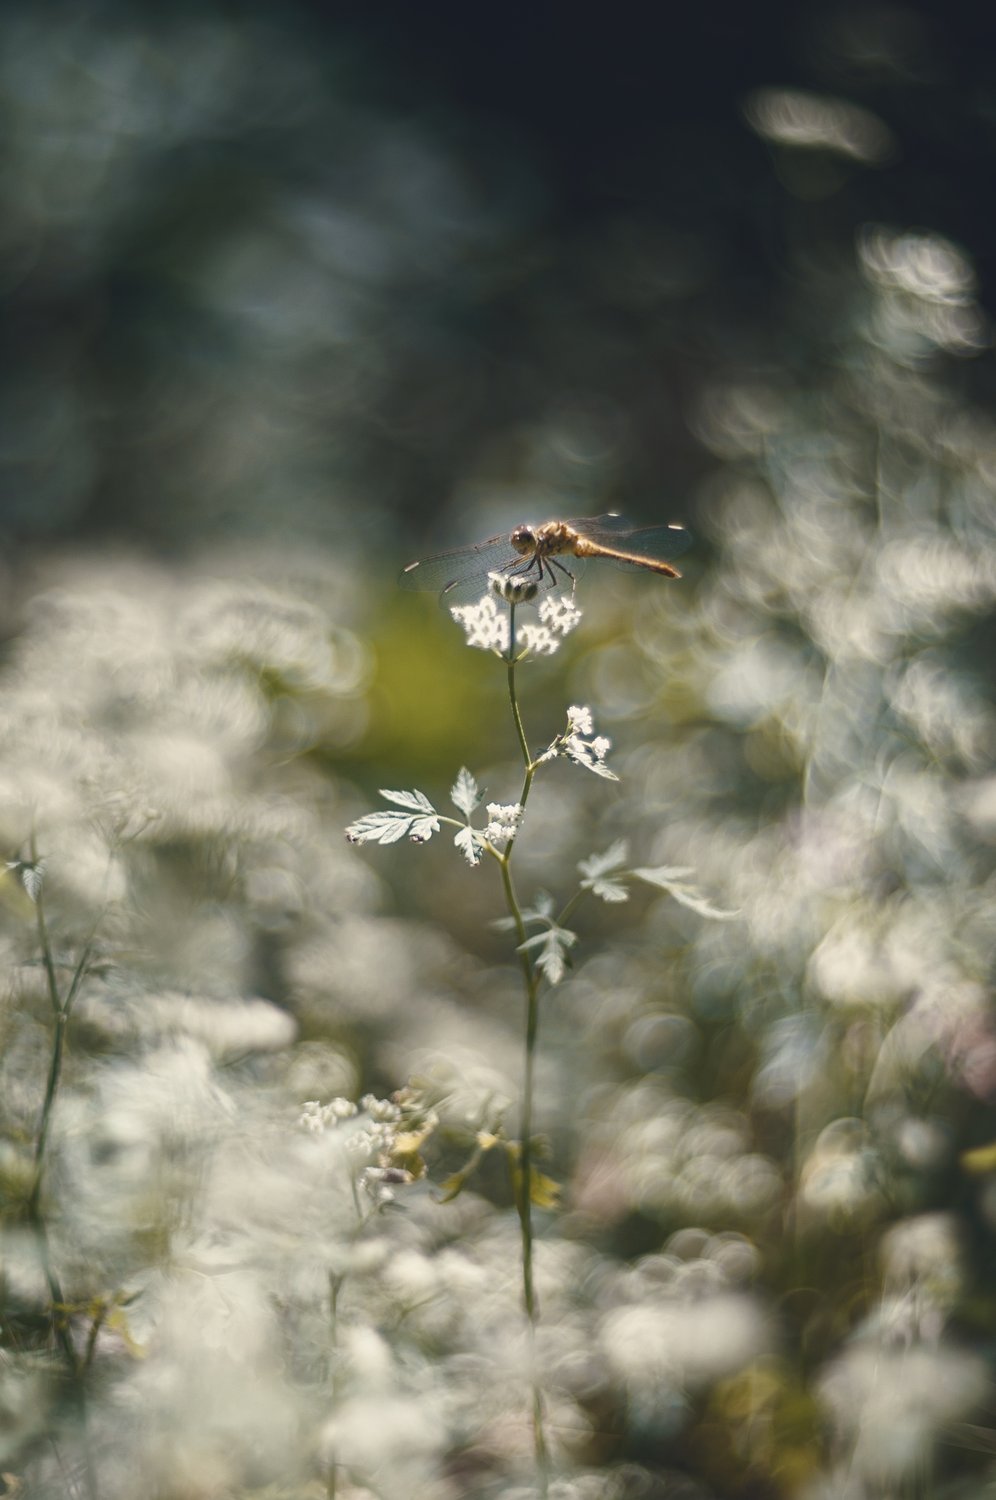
(372, 279)
(296, 293)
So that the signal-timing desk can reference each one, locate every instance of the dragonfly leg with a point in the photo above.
(521, 568)
(563, 570)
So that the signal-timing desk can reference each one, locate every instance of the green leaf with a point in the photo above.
(670, 879)
(464, 793)
(417, 801)
(30, 873)
(418, 823)
(597, 866)
(471, 845)
(551, 949)
(389, 827)
(453, 1185)
(544, 1192)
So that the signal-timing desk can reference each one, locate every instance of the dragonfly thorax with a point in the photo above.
(543, 541)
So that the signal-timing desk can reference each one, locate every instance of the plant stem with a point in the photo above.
(523, 1193)
(61, 1011)
(335, 1284)
(511, 663)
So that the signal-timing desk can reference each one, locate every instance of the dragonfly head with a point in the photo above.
(523, 539)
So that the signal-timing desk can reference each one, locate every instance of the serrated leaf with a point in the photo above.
(385, 827)
(422, 829)
(31, 875)
(541, 910)
(378, 828)
(612, 858)
(551, 949)
(470, 844)
(685, 895)
(464, 793)
(663, 875)
(597, 866)
(696, 902)
(416, 801)
(606, 890)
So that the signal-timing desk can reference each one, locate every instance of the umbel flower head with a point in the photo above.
(486, 624)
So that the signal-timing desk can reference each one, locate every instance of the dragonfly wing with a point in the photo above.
(461, 576)
(658, 543)
(463, 564)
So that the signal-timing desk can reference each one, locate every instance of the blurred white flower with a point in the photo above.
(318, 1118)
(682, 1342)
(889, 1405)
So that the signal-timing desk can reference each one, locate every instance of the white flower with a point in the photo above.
(383, 1110)
(538, 640)
(379, 1182)
(503, 822)
(316, 1117)
(589, 753)
(484, 624)
(559, 614)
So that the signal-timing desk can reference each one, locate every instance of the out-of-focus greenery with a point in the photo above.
(771, 1271)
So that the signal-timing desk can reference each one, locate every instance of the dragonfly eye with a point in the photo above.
(523, 539)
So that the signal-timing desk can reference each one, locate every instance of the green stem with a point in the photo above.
(529, 763)
(523, 1194)
(575, 900)
(335, 1285)
(511, 665)
(61, 1010)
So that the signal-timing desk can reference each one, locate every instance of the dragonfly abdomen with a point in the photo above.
(583, 548)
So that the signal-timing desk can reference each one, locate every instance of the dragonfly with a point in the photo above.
(546, 554)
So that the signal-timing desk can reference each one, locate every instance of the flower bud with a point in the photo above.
(514, 590)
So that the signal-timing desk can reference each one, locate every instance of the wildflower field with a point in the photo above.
(538, 1046)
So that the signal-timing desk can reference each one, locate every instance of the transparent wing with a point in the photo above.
(461, 576)
(655, 543)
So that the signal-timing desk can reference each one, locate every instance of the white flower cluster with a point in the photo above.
(503, 822)
(558, 617)
(580, 744)
(559, 614)
(486, 625)
(381, 1139)
(369, 1137)
(317, 1118)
